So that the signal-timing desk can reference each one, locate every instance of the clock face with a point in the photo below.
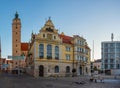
(49, 36)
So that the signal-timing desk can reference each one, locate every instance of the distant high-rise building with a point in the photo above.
(110, 55)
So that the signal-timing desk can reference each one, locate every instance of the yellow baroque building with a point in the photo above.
(54, 54)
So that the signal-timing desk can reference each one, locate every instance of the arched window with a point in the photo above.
(67, 69)
(49, 52)
(56, 52)
(41, 51)
(56, 69)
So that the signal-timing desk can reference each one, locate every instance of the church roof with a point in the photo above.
(24, 46)
(66, 39)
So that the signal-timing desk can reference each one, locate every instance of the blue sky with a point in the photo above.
(92, 19)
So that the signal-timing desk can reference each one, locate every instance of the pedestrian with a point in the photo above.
(91, 79)
(115, 76)
(95, 80)
(101, 79)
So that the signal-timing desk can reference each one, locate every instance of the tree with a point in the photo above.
(73, 71)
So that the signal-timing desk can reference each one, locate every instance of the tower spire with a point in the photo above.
(16, 15)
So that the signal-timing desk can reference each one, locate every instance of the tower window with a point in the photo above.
(44, 35)
(16, 32)
(16, 40)
(54, 37)
(16, 27)
(16, 51)
(16, 45)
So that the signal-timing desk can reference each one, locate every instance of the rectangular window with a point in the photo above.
(106, 66)
(112, 45)
(111, 66)
(106, 61)
(111, 61)
(67, 57)
(106, 45)
(106, 50)
(118, 45)
(68, 48)
(78, 41)
(78, 58)
(78, 49)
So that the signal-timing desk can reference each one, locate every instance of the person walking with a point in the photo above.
(91, 79)
(101, 79)
(115, 77)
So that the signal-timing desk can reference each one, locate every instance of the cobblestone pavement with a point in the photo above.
(24, 81)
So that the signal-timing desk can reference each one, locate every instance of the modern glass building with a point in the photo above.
(110, 51)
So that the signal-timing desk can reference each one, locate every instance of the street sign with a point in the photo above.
(16, 57)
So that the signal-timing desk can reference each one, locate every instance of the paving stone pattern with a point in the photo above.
(25, 81)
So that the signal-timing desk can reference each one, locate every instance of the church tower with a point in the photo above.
(16, 36)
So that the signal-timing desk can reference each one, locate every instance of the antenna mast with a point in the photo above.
(112, 37)
(93, 52)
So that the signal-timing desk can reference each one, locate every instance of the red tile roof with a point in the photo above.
(66, 39)
(24, 46)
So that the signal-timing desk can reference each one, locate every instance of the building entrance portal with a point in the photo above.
(41, 70)
(80, 70)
